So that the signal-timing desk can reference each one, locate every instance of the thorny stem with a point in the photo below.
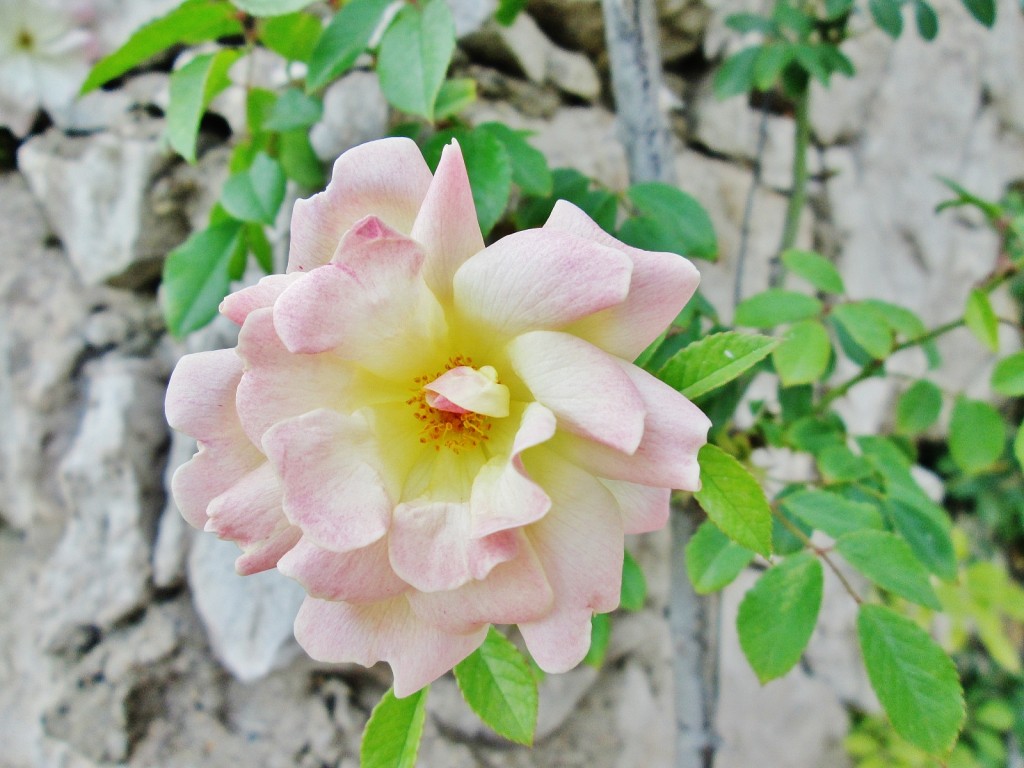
(798, 195)
(823, 554)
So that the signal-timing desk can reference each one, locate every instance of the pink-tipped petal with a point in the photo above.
(515, 591)
(239, 304)
(266, 554)
(674, 432)
(278, 385)
(540, 279)
(464, 390)
(201, 394)
(249, 511)
(584, 386)
(504, 496)
(386, 178)
(360, 576)
(580, 544)
(211, 472)
(330, 491)
(432, 550)
(447, 223)
(417, 651)
(644, 509)
(662, 283)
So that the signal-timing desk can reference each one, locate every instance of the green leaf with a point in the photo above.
(775, 307)
(835, 60)
(813, 434)
(814, 61)
(976, 435)
(815, 269)
(866, 326)
(1018, 446)
(488, 166)
(1008, 376)
(713, 361)
(192, 89)
(886, 14)
(293, 110)
(392, 735)
(271, 7)
(455, 95)
(194, 21)
(734, 500)
(981, 319)
(890, 563)
(918, 408)
(913, 678)
(982, 10)
(600, 634)
(256, 194)
(259, 247)
(772, 59)
(804, 354)
(343, 40)
(197, 275)
(736, 75)
(750, 22)
(530, 170)
(927, 21)
(838, 464)
(298, 159)
(677, 222)
(294, 36)
(830, 513)
(778, 614)
(498, 685)
(508, 10)
(926, 528)
(634, 585)
(834, 9)
(713, 559)
(414, 56)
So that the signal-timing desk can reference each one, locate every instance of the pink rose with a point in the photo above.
(431, 435)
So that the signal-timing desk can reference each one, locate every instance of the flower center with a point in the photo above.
(455, 406)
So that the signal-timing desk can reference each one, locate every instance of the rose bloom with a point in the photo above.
(433, 436)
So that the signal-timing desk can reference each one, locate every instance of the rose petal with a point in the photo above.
(360, 576)
(266, 554)
(239, 304)
(661, 285)
(417, 651)
(464, 390)
(644, 509)
(584, 386)
(201, 395)
(213, 470)
(249, 511)
(539, 279)
(386, 178)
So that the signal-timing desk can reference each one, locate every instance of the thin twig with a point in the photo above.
(748, 207)
(806, 541)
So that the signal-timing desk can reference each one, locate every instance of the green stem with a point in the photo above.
(798, 195)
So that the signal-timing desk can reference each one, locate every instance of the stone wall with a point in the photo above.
(126, 638)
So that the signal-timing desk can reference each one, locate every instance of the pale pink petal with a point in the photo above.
(674, 431)
(644, 508)
(504, 496)
(417, 651)
(661, 285)
(447, 223)
(330, 491)
(277, 384)
(360, 576)
(580, 544)
(249, 511)
(584, 386)
(386, 178)
(515, 591)
(239, 304)
(432, 550)
(201, 394)
(265, 554)
(539, 279)
(214, 469)
(464, 390)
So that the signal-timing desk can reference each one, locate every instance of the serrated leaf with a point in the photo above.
(1008, 376)
(293, 36)
(804, 354)
(775, 307)
(734, 500)
(194, 21)
(926, 528)
(918, 408)
(927, 20)
(343, 40)
(886, 14)
(392, 735)
(634, 585)
(981, 319)
(192, 88)
(830, 513)
(889, 562)
(815, 269)
(713, 559)
(982, 10)
(976, 435)
(455, 95)
(866, 326)
(488, 166)
(600, 634)
(498, 685)
(256, 194)
(736, 75)
(838, 464)
(271, 7)
(197, 275)
(414, 55)
(913, 678)
(293, 110)
(681, 225)
(714, 360)
(778, 614)
(530, 170)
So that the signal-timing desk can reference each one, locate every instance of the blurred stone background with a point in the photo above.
(127, 640)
